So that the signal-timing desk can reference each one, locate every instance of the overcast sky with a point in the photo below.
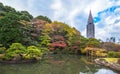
(106, 13)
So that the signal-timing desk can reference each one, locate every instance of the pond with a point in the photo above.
(56, 64)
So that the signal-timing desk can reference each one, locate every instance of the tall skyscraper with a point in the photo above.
(90, 27)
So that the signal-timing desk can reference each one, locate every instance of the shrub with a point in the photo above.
(110, 54)
(2, 50)
(44, 50)
(2, 13)
(15, 49)
(18, 52)
(101, 53)
(114, 54)
(83, 51)
(33, 53)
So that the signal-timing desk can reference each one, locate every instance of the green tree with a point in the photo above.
(44, 43)
(2, 13)
(24, 15)
(44, 18)
(9, 9)
(83, 42)
(10, 31)
(1, 7)
(92, 42)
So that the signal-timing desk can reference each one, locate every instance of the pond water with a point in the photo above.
(56, 64)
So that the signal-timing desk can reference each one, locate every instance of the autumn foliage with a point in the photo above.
(58, 44)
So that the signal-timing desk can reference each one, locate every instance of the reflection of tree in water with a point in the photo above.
(89, 66)
(75, 65)
(53, 64)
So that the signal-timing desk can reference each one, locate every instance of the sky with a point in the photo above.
(106, 13)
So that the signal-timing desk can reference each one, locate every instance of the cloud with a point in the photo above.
(35, 7)
(75, 13)
(104, 71)
(19, 5)
(70, 12)
(109, 25)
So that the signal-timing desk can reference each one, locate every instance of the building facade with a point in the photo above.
(90, 27)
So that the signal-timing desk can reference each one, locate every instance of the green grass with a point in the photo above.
(111, 60)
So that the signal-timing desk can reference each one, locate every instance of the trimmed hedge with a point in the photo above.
(114, 54)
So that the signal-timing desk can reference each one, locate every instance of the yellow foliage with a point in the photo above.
(23, 22)
(95, 51)
(2, 56)
(83, 51)
(1, 17)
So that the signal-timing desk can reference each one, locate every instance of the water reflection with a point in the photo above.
(105, 71)
(56, 64)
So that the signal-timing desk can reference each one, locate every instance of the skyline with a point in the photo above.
(106, 13)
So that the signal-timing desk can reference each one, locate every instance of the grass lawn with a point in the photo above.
(111, 60)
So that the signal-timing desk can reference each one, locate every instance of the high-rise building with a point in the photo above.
(111, 39)
(90, 27)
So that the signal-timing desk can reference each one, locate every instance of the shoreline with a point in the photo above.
(18, 62)
(111, 65)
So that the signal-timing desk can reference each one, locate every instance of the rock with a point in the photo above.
(103, 62)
